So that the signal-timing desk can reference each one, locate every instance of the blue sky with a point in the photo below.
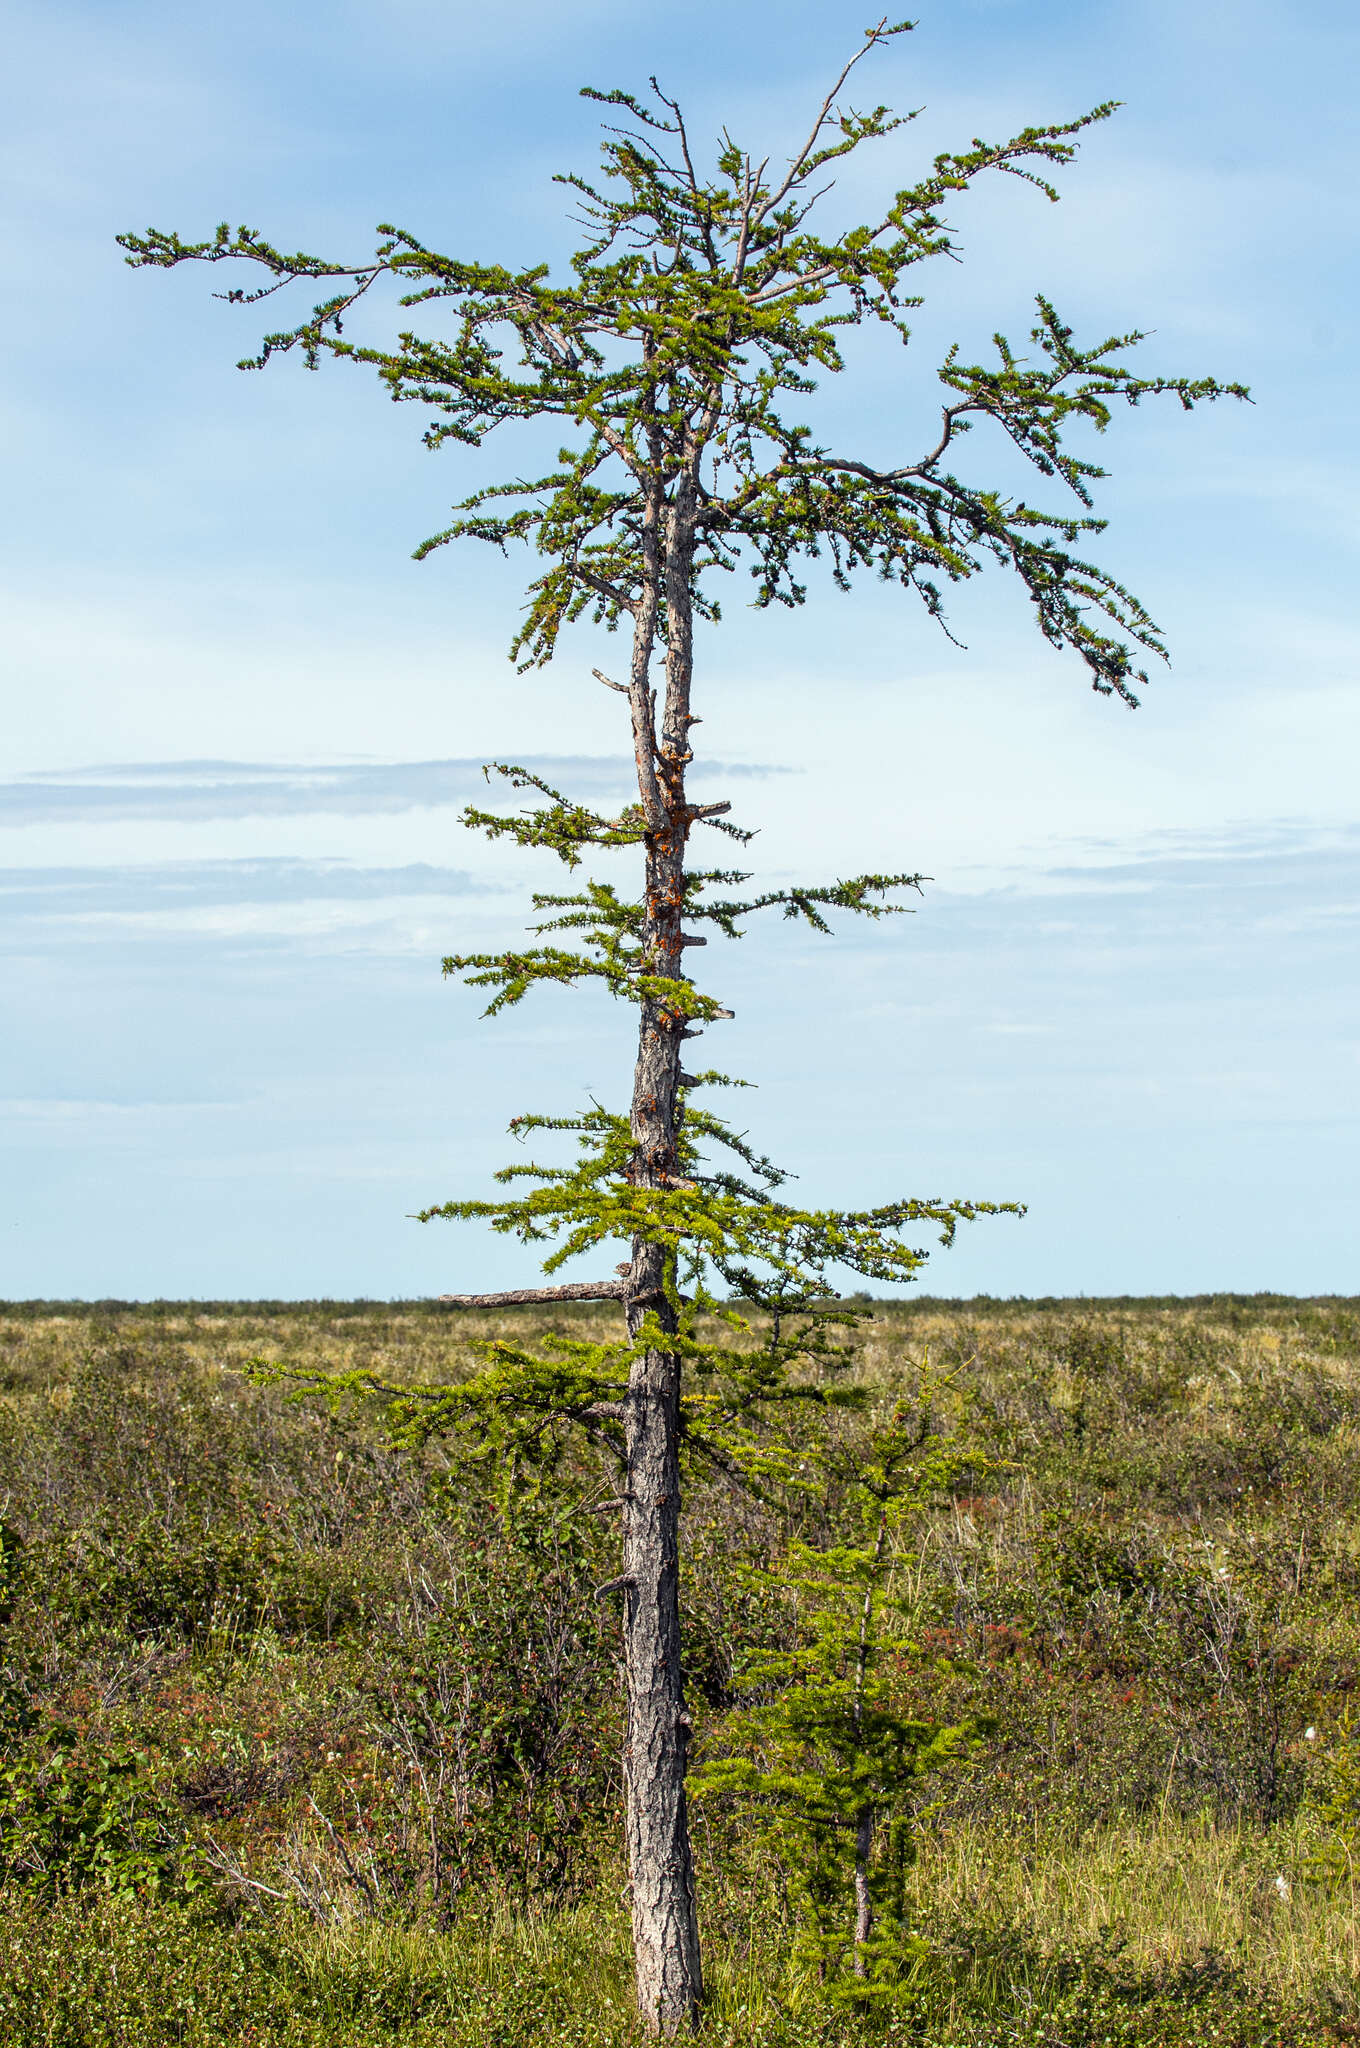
(243, 720)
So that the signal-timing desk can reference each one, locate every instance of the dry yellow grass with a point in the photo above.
(1165, 1890)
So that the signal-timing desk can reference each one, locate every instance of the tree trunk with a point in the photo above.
(864, 1908)
(665, 1924)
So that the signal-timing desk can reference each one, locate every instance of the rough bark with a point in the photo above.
(864, 1906)
(665, 1924)
(518, 1297)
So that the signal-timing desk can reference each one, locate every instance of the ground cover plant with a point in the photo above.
(312, 1740)
(675, 358)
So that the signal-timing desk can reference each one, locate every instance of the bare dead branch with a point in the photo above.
(823, 116)
(518, 1297)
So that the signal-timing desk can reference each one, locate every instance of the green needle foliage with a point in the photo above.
(699, 305)
(823, 1762)
(670, 365)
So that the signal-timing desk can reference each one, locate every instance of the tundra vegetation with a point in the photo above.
(672, 364)
(310, 1740)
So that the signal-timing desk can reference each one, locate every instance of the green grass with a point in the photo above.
(307, 1742)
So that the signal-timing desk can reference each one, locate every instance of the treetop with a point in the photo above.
(700, 307)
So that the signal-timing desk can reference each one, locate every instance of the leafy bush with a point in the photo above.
(1337, 1854)
(69, 1818)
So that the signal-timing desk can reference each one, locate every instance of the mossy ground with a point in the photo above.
(307, 1742)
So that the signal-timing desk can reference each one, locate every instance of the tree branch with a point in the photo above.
(517, 1297)
(871, 37)
(609, 591)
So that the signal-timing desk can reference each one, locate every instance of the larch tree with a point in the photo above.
(673, 362)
